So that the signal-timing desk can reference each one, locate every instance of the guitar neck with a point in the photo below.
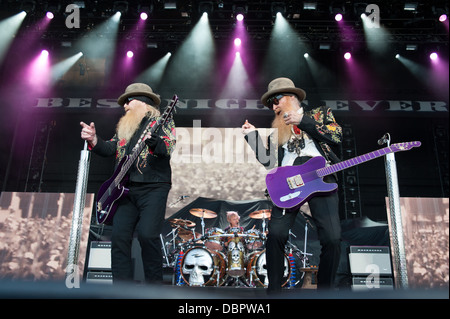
(137, 150)
(356, 161)
(140, 146)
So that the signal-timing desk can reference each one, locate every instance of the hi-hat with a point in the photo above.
(181, 222)
(261, 214)
(201, 212)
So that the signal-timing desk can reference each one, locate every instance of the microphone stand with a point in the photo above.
(77, 217)
(395, 219)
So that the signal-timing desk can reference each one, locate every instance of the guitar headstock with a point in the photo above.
(170, 108)
(405, 146)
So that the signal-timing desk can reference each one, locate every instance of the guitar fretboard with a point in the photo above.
(364, 158)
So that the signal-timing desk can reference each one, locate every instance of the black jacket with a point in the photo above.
(320, 125)
(153, 164)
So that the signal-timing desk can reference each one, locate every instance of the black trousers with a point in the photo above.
(143, 211)
(325, 214)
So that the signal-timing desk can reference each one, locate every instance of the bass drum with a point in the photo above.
(203, 267)
(256, 274)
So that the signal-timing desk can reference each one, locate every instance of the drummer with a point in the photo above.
(233, 220)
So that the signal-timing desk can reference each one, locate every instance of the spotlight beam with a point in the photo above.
(58, 70)
(9, 28)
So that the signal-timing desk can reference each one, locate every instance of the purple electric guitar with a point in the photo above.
(114, 188)
(291, 186)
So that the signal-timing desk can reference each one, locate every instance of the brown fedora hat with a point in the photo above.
(139, 89)
(282, 85)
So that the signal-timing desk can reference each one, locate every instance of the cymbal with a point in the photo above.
(261, 214)
(181, 222)
(201, 212)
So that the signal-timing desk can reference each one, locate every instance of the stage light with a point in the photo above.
(338, 17)
(397, 56)
(309, 5)
(130, 54)
(205, 7)
(443, 17)
(324, 46)
(410, 6)
(278, 7)
(144, 16)
(170, 5)
(120, 6)
(347, 55)
(433, 56)
(44, 53)
(240, 9)
(306, 55)
(240, 17)
(50, 15)
(237, 42)
(28, 6)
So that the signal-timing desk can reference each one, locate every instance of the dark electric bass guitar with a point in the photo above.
(292, 186)
(114, 188)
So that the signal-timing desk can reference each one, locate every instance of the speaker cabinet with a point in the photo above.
(100, 256)
(370, 267)
(366, 260)
(99, 277)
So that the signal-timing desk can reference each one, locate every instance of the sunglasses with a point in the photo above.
(274, 100)
(129, 99)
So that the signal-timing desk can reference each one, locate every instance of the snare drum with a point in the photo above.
(203, 267)
(256, 274)
(214, 238)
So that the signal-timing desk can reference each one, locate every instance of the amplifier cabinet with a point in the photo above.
(370, 260)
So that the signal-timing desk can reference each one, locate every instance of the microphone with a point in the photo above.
(383, 139)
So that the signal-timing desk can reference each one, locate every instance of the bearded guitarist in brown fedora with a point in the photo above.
(301, 136)
(141, 205)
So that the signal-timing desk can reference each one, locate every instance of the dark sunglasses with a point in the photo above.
(129, 99)
(274, 100)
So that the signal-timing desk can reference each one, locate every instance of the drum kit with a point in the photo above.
(216, 257)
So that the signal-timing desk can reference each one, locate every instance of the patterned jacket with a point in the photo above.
(151, 166)
(320, 125)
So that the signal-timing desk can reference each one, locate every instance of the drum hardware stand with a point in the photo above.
(179, 199)
(164, 249)
(395, 218)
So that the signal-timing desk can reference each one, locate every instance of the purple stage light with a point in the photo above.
(130, 54)
(338, 17)
(144, 16)
(347, 55)
(44, 53)
(434, 56)
(50, 15)
(237, 42)
(443, 18)
(240, 17)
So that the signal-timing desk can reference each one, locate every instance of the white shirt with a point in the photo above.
(310, 149)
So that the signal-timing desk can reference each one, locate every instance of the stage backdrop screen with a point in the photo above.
(215, 163)
(425, 224)
(34, 235)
